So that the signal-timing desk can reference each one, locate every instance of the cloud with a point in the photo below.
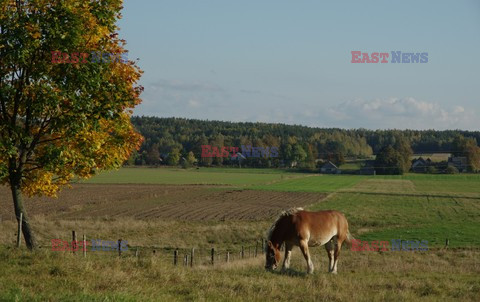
(204, 100)
(183, 86)
(399, 113)
(193, 103)
(193, 99)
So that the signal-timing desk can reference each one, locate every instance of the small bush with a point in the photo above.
(431, 170)
(451, 170)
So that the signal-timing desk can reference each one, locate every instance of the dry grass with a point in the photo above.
(363, 276)
(145, 233)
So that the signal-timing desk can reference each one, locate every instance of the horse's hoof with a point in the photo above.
(334, 272)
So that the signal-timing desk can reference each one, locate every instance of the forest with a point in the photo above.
(178, 141)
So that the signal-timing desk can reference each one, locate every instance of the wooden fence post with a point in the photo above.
(256, 248)
(175, 257)
(446, 242)
(185, 260)
(19, 235)
(213, 256)
(227, 257)
(136, 252)
(74, 241)
(191, 257)
(243, 252)
(119, 247)
(84, 245)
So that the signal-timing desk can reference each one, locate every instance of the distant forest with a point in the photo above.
(174, 141)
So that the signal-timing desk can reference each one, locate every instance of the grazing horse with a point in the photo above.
(297, 227)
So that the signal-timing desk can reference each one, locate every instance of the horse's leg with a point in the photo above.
(338, 246)
(330, 251)
(288, 254)
(306, 254)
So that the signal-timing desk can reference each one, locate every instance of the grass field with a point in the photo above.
(316, 183)
(409, 207)
(211, 176)
(436, 276)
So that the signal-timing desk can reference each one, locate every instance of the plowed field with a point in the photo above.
(186, 202)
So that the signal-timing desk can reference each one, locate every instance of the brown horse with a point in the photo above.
(297, 227)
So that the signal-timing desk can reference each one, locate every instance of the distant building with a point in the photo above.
(459, 162)
(420, 165)
(368, 168)
(330, 168)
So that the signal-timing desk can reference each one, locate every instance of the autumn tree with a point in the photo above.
(468, 148)
(403, 147)
(62, 120)
(174, 157)
(191, 158)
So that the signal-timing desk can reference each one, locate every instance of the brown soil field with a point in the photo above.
(185, 202)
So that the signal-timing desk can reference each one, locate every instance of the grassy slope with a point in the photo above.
(388, 207)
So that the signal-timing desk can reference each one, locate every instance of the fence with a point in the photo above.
(178, 256)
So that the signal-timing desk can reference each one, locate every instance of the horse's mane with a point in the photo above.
(288, 212)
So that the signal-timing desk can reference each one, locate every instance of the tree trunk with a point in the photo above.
(18, 204)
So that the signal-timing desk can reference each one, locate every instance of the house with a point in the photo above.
(420, 165)
(330, 168)
(459, 162)
(368, 168)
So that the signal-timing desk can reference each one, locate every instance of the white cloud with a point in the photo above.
(400, 113)
(193, 103)
(191, 99)
(203, 100)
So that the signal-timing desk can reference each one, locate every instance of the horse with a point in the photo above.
(296, 227)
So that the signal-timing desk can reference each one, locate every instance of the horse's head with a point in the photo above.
(273, 256)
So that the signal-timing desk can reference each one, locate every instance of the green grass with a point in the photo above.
(378, 216)
(317, 183)
(457, 183)
(172, 176)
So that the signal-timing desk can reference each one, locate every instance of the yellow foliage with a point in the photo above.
(66, 151)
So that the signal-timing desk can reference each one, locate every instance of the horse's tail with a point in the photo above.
(349, 238)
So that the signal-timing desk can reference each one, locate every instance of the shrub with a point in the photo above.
(451, 170)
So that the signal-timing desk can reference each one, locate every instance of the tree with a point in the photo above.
(299, 155)
(310, 159)
(191, 158)
(402, 146)
(389, 161)
(153, 156)
(174, 157)
(333, 151)
(468, 148)
(58, 121)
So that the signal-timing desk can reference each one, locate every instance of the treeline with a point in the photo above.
(175, 141)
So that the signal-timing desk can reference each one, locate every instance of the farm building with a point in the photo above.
(330, 168)
(459, 162)
(420, 165)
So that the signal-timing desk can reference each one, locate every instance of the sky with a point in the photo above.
(289, 62)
